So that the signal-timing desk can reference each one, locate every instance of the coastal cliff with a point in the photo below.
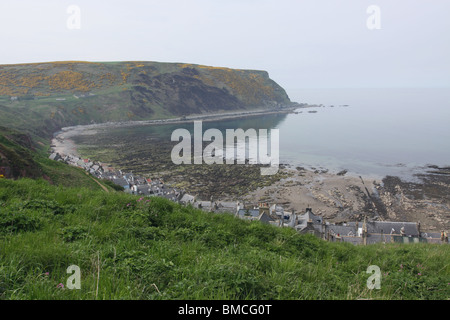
(43, 97)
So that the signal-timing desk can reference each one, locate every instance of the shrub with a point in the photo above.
(16, 221)
(48, 206)
(73, 233)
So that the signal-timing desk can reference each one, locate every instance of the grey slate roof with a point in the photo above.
(265, 218)
(121, 182)
(55, 156)
(388, 227)
(308, 216)
(187, 198)
(227, 204)
(342, 230)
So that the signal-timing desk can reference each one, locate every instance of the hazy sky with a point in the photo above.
(301, 43)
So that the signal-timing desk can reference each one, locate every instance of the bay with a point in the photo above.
(370, 132)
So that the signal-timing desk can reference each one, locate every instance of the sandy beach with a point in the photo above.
(64, 145)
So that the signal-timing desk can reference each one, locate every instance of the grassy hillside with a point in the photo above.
(132, 248)
(42, 97)
(21, 157)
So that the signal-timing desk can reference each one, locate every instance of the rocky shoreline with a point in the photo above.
(338, 197)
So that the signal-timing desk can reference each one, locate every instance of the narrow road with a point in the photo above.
(103, 187)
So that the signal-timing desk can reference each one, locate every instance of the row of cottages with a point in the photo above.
(366, 232)
(128, 181)
(94, 168)
(145, 187)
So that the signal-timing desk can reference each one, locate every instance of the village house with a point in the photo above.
(121, 182)
(225, 206)
(187, 199)
(204, 205)
(55, 156)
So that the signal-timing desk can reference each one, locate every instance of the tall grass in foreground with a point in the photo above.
(134, 248)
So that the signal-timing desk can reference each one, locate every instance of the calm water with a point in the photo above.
(380, 132)
(383, 131)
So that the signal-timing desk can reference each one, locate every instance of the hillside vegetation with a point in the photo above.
(133, 248)
(43, 97)
(21, 156)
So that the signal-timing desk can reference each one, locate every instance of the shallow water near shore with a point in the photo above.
(380, 131)
(368, 132)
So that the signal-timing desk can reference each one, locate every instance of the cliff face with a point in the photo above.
(50, 95)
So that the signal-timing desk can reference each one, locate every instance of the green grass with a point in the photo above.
(27, 158)
(131, 248)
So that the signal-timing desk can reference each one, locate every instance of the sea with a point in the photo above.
(369, 132)
(379, 131)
